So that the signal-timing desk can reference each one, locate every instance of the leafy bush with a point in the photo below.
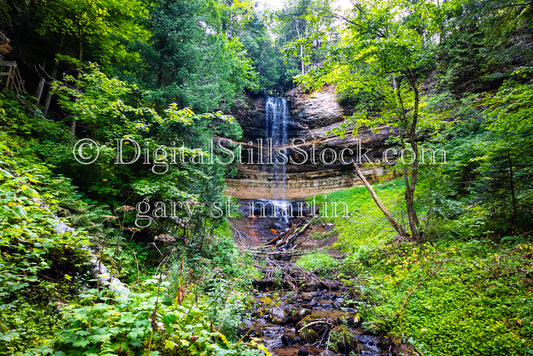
(38, 262)
(319, 262)
(140, 325)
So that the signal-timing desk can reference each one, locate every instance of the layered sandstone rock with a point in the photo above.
(317, 163)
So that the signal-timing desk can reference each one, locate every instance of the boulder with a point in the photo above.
(278, 315)
(303, 351)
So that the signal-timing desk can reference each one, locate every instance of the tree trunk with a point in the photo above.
(302, 63)
(54, 76)
(74, 121)
(39, 91)
(389, 217)
(414, 223)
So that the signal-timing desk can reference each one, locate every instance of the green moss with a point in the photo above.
(342, 339)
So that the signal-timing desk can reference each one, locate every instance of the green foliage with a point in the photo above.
(273, 74)
(467, 292)
(192, 59)
(342, 339)
(463, 293)
(385, 51)
(365, 224)
(484, 185)
(38, 261)
(20, 117)
(480, 44)
(102, 28)
(42, 272)
(100, 325)
(302, 28)
(182, 154)
(318, 262)
(451, 299)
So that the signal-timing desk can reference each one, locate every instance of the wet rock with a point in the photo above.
(286, 340)
(369, 343)
(278, 315)
(271, 331)
(311, 116)
(385, 343)
(263, 285)
(303, 351)
(289, 339)
(306, 296)
(310, 286)
(300, 314)
(327, 353)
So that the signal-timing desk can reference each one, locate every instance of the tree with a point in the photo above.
(505, 160)
(193, 58)
(266, 57)
(302, 38)
(103, 28)
(384, 51)
(480, 43)
(177, 162)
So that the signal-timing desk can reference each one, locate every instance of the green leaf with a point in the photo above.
(20, 211)
(170, 345)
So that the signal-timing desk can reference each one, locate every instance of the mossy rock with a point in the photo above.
(342, 339)
(298, 315)
(311, 327)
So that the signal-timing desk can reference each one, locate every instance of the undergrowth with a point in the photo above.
(452, 295)
(187, 296)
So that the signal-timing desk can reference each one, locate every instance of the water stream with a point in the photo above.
(277, 121)
(311, 316)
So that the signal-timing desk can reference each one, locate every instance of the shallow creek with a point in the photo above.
(312, 322)
(297, 312)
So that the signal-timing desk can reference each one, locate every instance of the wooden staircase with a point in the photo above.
(10, 76)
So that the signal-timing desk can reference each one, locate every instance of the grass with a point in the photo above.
(447, 296)
(365, 225)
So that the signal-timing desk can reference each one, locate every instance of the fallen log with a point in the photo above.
(100, 272)
(294, 235)
(294, 275)
(279, 236)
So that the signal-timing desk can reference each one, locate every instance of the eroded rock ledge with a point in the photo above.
(321, 164)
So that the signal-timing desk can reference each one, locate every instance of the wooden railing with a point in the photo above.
(11, 77)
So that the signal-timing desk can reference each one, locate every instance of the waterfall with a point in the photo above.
(277, 120)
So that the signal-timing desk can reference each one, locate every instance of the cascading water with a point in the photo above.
(277, 120)
(278, 237)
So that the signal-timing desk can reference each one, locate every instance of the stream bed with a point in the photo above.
(296, 312)
(312, 321)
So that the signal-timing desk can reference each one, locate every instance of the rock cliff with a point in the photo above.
(317, 164)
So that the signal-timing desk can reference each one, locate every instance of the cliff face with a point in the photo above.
(317, 164)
